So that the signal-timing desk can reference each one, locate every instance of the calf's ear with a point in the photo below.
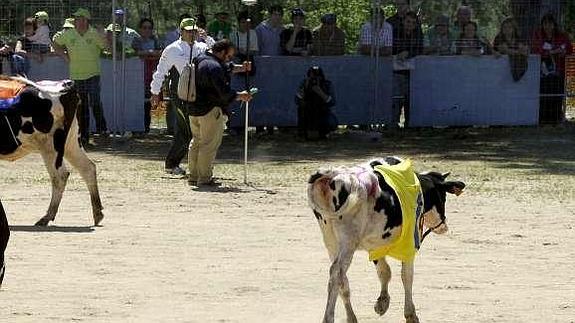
(453, 187)
(314, 177)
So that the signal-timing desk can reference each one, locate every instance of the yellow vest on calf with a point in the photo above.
(403, 180)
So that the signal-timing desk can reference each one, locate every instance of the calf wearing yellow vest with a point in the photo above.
(382, 207)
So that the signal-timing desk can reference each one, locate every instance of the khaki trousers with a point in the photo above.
(207, 132)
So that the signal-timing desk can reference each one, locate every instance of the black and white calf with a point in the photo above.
(357, 210)
(42, 119)
(4, 236)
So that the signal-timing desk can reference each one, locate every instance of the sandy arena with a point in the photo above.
(168, 253)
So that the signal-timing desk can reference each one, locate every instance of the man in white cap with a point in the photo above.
(177, 55)
(128, 36)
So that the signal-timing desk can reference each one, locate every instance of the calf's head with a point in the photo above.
(435, 190)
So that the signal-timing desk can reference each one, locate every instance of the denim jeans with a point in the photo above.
(89, 91)
(19, 65)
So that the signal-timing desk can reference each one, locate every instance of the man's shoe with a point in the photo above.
(176, 171)
(210, 182)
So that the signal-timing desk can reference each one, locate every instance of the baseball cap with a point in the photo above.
(41, 15)
(329, 18)
(82, 13)
(297, 12)
(119, 12)
(114, 27)
(188, 24)
(68, 23)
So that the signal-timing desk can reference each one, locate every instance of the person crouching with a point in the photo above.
(208, 113)
(314, 100)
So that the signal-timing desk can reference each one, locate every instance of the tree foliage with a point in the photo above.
(351, 13)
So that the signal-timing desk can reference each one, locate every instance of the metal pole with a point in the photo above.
(246, 143)
(247, 3)
(247, 79)
(375, 52)
(114, 69)
(124, 83)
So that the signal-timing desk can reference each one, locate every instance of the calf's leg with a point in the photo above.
(58, 177)
(384, 274)
(77, 157)
(338, 283)
(407, 279)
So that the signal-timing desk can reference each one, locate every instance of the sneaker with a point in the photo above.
(210, 182)
(176, 171)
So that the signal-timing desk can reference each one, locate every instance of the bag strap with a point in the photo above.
(191, 57)
(191, 52)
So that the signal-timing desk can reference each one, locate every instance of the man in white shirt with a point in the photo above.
(379, 36)
(177, 55)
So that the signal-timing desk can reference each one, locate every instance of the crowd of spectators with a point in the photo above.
(400, 35)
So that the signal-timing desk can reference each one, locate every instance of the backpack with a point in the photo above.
(187, 81)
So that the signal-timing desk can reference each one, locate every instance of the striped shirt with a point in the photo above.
(383, 37)
(177, 54)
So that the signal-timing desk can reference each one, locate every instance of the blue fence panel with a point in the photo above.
(466, 91)
(445, 91)
(129, 119)
(353, 78)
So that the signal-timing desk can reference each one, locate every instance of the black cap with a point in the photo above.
(297, 12)
(329, 18)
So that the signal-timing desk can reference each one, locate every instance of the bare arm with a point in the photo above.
(18, 49)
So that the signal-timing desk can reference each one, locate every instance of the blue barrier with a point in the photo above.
(445, 91)
(465, 91)
(129, 119)
(353, 78)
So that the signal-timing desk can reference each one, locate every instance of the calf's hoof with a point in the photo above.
(43, 222)
(381, 305)
(327, 320)
(98, 217)
(411, 319)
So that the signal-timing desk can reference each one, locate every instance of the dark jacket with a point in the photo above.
(213, 89)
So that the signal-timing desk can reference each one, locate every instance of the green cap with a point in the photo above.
(112, 27)
(41, 15)
(68, 23)
(188, 24)
(82, 13)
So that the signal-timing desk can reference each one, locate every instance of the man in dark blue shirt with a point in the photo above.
(207, 114)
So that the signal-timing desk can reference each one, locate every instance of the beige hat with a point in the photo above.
(41, 15)
(68, 23)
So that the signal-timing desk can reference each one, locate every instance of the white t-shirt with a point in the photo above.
(42, 36)
(177, 54)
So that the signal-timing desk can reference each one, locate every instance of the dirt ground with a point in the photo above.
(168, 253)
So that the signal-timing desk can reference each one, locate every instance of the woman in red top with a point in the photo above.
(553, 45)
